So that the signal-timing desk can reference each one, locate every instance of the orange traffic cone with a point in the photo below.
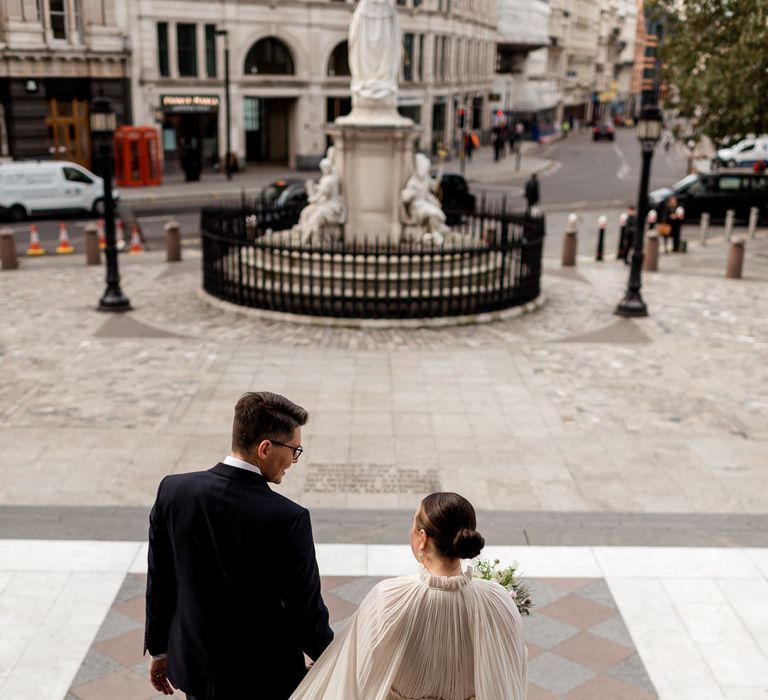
(102, 236)
(64, 247)
(34, 242)
(136, 246)
(120, 235)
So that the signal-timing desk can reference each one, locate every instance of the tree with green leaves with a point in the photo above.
(714, 56)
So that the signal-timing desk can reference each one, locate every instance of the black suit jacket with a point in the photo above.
(233, 589)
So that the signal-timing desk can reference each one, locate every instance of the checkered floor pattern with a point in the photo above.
(578, 645)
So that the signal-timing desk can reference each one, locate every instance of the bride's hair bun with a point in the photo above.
(467, 544)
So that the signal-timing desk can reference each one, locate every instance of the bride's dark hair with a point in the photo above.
(449, 520)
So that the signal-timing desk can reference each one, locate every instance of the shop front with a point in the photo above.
(190, 133)
(48, 118)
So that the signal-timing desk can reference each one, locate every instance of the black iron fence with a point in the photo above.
(490, 261)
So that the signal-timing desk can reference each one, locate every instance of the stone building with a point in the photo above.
(524, 89)
(56, 56)
(290, 76)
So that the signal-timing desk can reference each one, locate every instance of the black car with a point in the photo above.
(285, 192)
(455, 197)
(716, 193)
(603, 130)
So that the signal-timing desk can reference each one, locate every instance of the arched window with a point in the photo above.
(338, 63)
(269, 56)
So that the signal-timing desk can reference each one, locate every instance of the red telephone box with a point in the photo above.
(137, 156)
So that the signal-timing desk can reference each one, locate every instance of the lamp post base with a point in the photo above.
(114, 300)
(632, 305)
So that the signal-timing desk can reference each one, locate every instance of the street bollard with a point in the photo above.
(570, 242)
(704, 231)
(754, 212)
(735, 258)
(92, 249)
(8, 250)
(602, 222)
(172, 242)
(730, 215)
(623, 249)
(651, 261)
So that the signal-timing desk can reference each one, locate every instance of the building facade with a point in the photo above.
(564, 60)
(290, 75)
(525, 91)
(57, 56)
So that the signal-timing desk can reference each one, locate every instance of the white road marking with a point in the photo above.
(624, 170)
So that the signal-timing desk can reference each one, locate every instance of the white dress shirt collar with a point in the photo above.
(240, 464)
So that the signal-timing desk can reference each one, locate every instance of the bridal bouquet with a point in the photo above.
(508, 578)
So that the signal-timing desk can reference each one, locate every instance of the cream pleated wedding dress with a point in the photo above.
(425, 638)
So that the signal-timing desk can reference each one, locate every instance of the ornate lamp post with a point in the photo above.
(228, 155)
(103, 126)
(649, 133)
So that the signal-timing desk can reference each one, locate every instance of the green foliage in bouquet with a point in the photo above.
(508, 578)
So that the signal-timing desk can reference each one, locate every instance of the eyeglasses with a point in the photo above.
(296, 450)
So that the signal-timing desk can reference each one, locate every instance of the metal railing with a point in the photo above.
(491, 261)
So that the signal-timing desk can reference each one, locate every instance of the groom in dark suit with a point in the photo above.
(233, 589)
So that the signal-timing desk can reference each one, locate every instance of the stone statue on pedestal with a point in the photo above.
(375, 54)
(327, 208)
(421, 207)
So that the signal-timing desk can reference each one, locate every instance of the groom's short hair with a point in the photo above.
(262, 415)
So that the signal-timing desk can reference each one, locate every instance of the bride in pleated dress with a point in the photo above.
(438, 635)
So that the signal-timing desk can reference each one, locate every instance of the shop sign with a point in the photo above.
(188, 104)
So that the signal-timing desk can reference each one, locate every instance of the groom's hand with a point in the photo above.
(160, 682)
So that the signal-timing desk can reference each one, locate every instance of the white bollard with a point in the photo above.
(753, 216)
(568, 257)
(730, 215)
(704, 231)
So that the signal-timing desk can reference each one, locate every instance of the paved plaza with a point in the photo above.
(567, 427)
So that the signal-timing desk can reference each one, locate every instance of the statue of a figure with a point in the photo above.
(375, 53)
(326, 205)
(419, 201)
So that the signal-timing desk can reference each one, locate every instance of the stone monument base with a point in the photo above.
(373, 160)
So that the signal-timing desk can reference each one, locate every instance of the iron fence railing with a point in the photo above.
(490, 261)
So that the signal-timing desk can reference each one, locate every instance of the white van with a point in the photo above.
(744, 154)
(32, 188)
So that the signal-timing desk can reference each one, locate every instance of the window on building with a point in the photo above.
(436, 58)
(338, 63)
(443, 45)
(408, 57)
(420, 70)
(186, 49)
(163, 65)
(269, 56)
(210, 50)
(58, 18)
(78, 15)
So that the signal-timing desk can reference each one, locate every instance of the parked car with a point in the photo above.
(744, 154)
(603, 130)
(716, 193)
(284, 192)
(455, 196)
(32, 188)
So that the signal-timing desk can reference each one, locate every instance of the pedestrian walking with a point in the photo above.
(532, 194)
(498, 142)
(511, 139)
(676, 222)
(469, 145)
(233, 588)
(666, 217)
(566, 128)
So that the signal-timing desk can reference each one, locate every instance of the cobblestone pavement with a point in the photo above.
(578, 645)
(567, 409)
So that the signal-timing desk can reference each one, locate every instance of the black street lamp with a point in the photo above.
(103, 126)
(228, 155)
(649, 133)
